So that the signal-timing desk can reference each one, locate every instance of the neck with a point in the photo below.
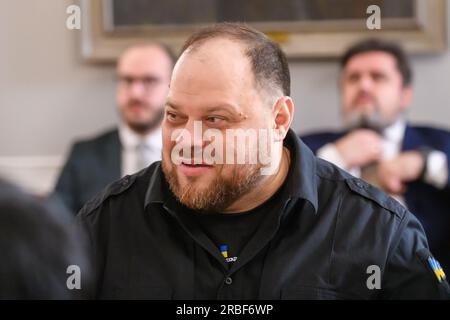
(266, 189)
(396, 129)
(140, 132)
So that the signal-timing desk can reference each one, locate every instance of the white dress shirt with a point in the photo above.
(139, 151)
(436, 173)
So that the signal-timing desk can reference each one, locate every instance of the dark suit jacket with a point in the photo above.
(430, 205)
(91, 165)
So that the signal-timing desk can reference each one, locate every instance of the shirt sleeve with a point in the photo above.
(330, 153)
(436, 173)
(411, 271)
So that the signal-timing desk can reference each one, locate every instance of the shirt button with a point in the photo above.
(228, 280)
(125, 181)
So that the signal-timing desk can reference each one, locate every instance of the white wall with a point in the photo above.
(49, 96)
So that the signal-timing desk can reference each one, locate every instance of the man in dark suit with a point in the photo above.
(409, 162)
(143, 74)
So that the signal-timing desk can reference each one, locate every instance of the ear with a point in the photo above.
(406, 98)
(283, 113)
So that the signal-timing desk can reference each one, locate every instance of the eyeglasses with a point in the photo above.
(148, 82)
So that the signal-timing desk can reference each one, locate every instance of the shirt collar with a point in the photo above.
(395, 132)
(130, 139)
(300, 182)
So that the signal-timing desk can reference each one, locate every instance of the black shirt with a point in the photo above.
(325, 234)
(232, 232)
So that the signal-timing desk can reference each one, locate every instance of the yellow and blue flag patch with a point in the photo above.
(437, 269)
(224, 251)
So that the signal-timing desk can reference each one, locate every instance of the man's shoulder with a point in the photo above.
(367, 193)
(315, 140)
(425, 129)
(109, 136)
(426, 136)
(322, 135)
(119, 189)
(357, 191)
(430, 134)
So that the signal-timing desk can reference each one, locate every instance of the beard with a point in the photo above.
(144, 127)
(219, 194)
(359, 120)
(373, 121)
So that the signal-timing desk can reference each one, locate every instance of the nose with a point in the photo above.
(136, 89)
(365, 83)
(191, 137)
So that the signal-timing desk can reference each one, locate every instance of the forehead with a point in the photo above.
(144, 60)
(372, 61)
(217, 69)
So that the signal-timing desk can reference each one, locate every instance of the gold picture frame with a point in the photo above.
(425, 32)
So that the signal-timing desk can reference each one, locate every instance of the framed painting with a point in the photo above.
(304, 28)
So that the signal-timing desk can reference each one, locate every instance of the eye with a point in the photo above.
(378, 76)
(171, 116)
(150, 81)
(353, 77)
(125, 80)
(214, 120)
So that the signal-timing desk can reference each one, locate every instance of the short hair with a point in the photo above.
(371, 45)
(168, 50)
(164, 47)
(268, 62)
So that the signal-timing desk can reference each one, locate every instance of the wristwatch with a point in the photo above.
(424, 152)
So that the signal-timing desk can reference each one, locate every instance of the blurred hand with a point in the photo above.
(394, 174)
(360, 147)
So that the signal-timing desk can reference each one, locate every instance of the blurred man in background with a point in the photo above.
(143, 74)
(409, 162)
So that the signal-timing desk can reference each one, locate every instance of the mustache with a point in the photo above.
(196, 157)
(362, 94)
(135, 102)
(373, 121)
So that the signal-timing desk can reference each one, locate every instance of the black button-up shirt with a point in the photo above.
(329, 236)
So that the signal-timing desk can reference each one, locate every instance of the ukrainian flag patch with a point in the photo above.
(437, 269)
(224, 251)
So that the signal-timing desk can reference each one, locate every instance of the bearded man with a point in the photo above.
(143, 75)
(258, 218)
(411, 163)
